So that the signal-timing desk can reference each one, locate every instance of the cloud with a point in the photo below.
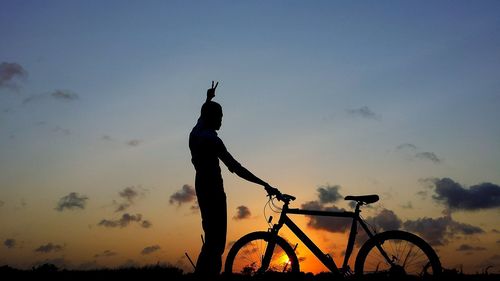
(364, 112)
(8, 74)
(185, 195)
(64, 95)
(134, 142)
(124, 221)
(106, 138)
(34, 98)
(9, 243)
(195, 207)
(146, 224)
(408, 205)
(59, 130)
(150, 249)
(422, 155)
(409, 146)
(431, 156)
(71, 201)
(330, 224)
(243, 213)
(385, 220)
(48, 248)
(61, 95)
(121, 206)
(329, 194)
(105, 254)
(50, 264)
(456, 197)
(326, 194)
(438, 231)
(469, 248)
(129, 194)
(130, 263)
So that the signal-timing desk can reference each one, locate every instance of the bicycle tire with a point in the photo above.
(243, 257)
(411, 255)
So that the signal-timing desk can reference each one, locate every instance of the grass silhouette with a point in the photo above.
(51, 272)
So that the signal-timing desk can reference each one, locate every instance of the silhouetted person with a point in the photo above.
(206, 150)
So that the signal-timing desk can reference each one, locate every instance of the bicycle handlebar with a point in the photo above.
(280, 196)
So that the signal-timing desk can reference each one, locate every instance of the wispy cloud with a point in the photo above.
(128, 196)
(456, 197)
(364, 112)
(186, 195)
(416, 154)
(129, 193)
(10, 243)
(71, 201)
(150, 249)
(64, 95)
(124, 221)
(407, 146)
(62, 131)
(146, 224)
(105, 254)
(242, 213)
(134, 142)
(9, 72)
(106, 138)
(49, 248)
(431, 156)
(61, 95)
(469, 248)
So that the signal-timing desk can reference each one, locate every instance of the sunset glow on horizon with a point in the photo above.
(321, 99)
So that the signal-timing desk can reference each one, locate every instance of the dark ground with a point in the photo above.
(166, 273)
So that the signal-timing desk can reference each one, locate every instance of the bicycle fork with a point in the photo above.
(268, 254)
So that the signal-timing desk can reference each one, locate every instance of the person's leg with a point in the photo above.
(214, 221)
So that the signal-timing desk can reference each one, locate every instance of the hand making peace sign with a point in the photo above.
(211, 91)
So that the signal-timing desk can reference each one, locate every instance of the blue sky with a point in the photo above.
(376, 97)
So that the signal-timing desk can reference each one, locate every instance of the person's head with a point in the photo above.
(211, 114)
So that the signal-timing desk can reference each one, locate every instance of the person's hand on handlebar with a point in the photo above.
(271, 190)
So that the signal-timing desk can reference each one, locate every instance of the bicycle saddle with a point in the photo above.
(366, 199)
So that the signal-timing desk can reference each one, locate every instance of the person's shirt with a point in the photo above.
(206, 150)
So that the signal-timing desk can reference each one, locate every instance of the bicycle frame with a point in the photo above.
(326, 259)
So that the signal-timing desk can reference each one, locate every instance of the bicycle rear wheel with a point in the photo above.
(247, 254)
(410, 256)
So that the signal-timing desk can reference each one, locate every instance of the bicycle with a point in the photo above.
(393, 253)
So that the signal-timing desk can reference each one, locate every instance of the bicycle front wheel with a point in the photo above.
(247, 255)
(408, 254)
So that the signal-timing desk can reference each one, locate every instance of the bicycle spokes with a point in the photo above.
(250, 259)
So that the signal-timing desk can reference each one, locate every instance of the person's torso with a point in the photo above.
(204, 152)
